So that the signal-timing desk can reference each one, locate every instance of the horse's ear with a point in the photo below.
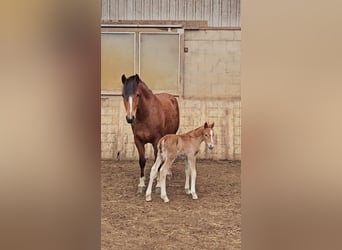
(137, 77)
(212, 125)
(205, 125)
(123, 78)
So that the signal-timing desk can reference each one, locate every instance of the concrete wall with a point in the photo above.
(212, 64)
(211, 93)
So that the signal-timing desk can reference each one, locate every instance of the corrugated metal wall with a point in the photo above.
(218, 13)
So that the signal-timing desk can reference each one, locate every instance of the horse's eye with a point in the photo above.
(138, 94)
(206, 135)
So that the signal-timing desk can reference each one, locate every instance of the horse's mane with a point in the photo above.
(132, 83)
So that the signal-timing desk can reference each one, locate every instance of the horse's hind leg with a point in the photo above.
(142, 161)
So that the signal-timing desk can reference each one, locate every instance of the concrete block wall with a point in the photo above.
(117, 138)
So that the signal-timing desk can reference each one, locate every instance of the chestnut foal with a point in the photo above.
(169, 147)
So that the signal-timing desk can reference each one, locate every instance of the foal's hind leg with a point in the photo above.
(164, 170)
(155, 149)
(153, 174)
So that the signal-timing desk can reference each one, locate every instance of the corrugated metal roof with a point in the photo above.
(218, 13)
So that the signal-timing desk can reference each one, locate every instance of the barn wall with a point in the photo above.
(218, 13)
(117, 137)
(211, 93)
(212, 64)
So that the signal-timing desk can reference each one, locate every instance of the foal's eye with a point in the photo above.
(206, 135)
(138, 94)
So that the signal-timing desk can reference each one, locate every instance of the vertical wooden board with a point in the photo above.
(122, 10)
(172, 9)
(147, 10)
(130, 9)
(216, 14)
(207, 11)
(233, 13)
(224, 13)
(164, 10)
(238, 11)
(197, 7)
(155, 9)
(105, 10)
(138, 10)
(188, 10)
(181, 10)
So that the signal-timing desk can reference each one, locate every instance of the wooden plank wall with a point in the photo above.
(218, 13)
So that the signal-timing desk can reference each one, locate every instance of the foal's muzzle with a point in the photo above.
(130, 119)
(210, 146)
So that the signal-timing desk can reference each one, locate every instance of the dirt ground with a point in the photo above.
(211, 222)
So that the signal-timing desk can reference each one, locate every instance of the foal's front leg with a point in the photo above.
(192, 161)
(187, 177)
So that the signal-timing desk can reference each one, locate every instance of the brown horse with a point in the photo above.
(169, 147)
(151, 117)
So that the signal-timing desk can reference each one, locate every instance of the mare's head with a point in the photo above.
(208, 133)
(130, 95)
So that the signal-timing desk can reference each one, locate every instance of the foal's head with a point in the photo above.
(208, 133)
(130, 95)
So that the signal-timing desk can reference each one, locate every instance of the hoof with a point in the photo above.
(194, 196)
(157, 190)
(141, 190)
(148, 198)
(165, 199)
(187, 191)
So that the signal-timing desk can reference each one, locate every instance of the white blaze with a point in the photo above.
(130, 100)
(211, 137)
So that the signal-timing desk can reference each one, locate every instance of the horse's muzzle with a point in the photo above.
(210, 146)
(130, 119)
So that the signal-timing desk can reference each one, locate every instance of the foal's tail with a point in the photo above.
(161, 147)
(160, 155)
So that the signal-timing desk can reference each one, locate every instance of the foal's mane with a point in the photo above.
(196, 132)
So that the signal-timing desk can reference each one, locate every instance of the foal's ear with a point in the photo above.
(212, 125)
(123, 78)
(206, 125)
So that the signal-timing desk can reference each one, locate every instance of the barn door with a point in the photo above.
(155, 56)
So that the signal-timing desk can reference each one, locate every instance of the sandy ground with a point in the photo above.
(211, 222)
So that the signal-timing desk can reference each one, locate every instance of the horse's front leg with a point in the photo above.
(142, 161)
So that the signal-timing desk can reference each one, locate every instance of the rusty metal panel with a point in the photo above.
(218, 13)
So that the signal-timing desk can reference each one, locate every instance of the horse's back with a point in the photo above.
(170, 107)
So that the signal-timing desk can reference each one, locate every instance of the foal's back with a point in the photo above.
(172, 145)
